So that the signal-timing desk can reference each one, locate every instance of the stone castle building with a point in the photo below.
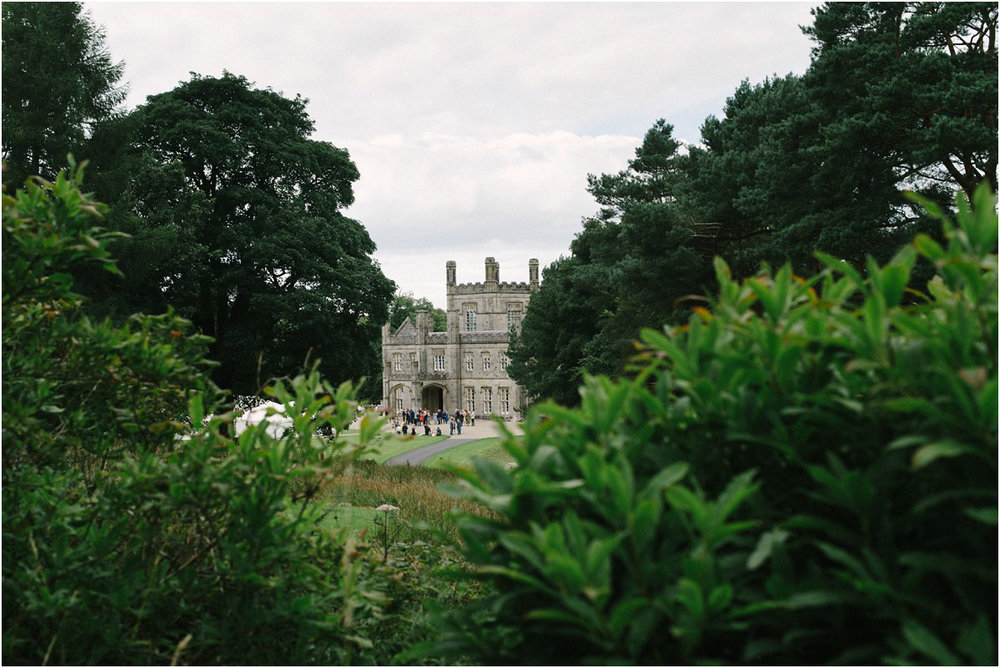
(466, 366)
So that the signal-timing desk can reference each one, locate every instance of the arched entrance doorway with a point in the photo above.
(432, 398)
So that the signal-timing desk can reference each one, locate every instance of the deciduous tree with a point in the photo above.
(404, 305)
(237, 223)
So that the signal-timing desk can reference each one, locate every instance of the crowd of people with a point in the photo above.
(409, 421)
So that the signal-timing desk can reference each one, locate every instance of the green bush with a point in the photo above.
(804, 473)
(136, 529)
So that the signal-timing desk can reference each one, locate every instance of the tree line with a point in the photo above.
(898, 97)
(231, 214)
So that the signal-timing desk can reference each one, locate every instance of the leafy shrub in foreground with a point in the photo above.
(124, 543)
(804, 473)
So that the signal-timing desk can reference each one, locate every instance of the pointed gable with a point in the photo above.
(407, 329)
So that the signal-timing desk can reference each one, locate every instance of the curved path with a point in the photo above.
(416, 457)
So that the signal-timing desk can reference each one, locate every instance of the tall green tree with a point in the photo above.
(910, 85)
(653, 176)
(751, 178)
(59, 82)
(547, 356)
(899, 96)
(629, 266)
(236, 222)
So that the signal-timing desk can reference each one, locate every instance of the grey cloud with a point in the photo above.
(469, 118)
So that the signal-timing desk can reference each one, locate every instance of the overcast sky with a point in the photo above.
(473, 125)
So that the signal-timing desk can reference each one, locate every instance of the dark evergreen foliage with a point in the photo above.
(898, 97)
(59, 84)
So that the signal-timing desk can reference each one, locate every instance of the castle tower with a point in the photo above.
(466, 365)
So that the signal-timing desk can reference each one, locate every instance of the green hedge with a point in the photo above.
(804, 473)
(131, 533)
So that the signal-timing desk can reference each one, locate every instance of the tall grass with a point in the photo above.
(424, 509)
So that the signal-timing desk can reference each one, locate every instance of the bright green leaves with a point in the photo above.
(800, 455)
(971, 248)
(605, 546)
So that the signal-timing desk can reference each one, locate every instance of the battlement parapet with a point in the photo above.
(480, 288)
(437, 337)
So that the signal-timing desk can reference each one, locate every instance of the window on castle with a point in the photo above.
(504, 361)
(413, 362)
(487, 399)
(397, 362)
(487, 363)
(503, 397)
(513, 315)
(439, 362)
(470, 362)
(470, 399)
(470, 320)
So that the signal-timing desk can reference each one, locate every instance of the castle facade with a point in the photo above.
(466, 365)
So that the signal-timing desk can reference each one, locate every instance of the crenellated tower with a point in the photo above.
(466, 365)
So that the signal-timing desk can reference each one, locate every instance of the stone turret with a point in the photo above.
(492, 273)
(533, 273)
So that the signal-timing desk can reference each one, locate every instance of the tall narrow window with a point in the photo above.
(487, 399)
(470, 320)
(470, 362)
(414, 363)
(487, 362)
(397, 361)
(439, 362)
(504, 360)
(513, 315)
(503, 396)
(470, 399)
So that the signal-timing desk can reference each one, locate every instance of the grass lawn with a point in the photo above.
(394, 445)
(462, 455)
(354, 518)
